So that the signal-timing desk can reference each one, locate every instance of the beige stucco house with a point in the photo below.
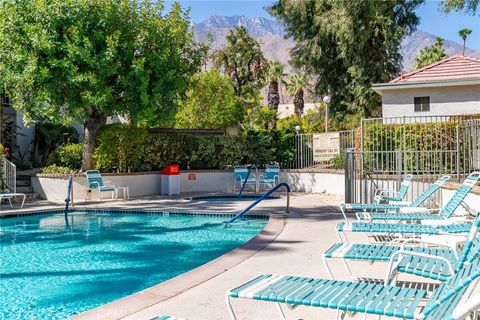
(448, 87)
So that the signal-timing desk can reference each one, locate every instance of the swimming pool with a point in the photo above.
(51, 269)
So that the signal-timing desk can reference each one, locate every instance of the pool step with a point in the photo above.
(24, 185)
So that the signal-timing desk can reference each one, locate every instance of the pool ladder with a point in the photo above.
(263, 197)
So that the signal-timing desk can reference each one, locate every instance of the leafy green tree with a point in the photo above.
(296, 86)
(430, 55)
(275, 76)
(210, 103)
(82, 60)
(348, 45)
(242, 61)
(469, 6)
(464, 34)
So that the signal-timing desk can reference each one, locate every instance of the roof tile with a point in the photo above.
(452, 68)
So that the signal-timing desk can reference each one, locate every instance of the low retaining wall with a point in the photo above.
(54, 187)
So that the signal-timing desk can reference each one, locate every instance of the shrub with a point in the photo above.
(338, 162)
(69, 155)
(53, 168)
(122, 148)
(119, 148)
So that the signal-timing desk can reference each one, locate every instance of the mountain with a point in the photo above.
(421, 39)
(270, 34)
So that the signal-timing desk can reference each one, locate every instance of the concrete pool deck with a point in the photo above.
(287, 246)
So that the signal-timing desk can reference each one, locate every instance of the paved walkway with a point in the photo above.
(308, 231)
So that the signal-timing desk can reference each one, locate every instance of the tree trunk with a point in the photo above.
(273, 96)
(299, 104)
(273, 101)
(95, 121)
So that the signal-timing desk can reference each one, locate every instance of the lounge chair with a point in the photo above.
(434, 262)
(9, 196)
(271, 176)
(167, 318)
(95, 182)
(244, 176)
(396, 206)
(451, 300)
(388, 196)
(417, 214)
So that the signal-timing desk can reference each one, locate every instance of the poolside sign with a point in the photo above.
(192, 177)
(325, 146)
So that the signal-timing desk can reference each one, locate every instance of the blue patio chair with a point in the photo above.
(271, 176)
(424, 196)
(167, 318)
(417, 214)
(451, 298)
(435, 262)
(95, 182)
(244, 175)
(387, 195)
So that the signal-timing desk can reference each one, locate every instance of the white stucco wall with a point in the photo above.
(54, 188)
(455, 100)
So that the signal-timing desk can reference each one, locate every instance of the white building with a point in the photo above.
(448, 87)
(286, 110)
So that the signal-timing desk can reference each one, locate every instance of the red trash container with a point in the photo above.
(170, 180)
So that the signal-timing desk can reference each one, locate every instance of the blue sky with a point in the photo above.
(432, 20)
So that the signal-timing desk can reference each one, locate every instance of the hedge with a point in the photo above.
(123, 148)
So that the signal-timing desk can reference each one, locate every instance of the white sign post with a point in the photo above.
(325, 146)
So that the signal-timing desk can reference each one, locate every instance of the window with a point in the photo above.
(421, 104)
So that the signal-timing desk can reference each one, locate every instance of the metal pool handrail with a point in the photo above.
(69, 190)
(246, 180)
(283, 184)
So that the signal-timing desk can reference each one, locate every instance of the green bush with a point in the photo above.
(69, 155)
(53, 168)
(125, 148)
(338, 162)
(120, 148)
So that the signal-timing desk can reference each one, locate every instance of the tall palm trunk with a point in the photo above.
(464, 44)
(273, 100)
(299, 104)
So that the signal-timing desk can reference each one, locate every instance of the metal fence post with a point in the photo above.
(458, 152)
(398, 165)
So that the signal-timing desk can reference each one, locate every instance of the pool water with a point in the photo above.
(52, 270)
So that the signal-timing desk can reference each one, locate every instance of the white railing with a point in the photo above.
(9, 175)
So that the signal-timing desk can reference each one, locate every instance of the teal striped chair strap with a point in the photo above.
(167, 318)
(342, 295)
(374, 206)
(449, 209)
(471, 247)
(449, 295)
(398, 216)
(430, 191)
(271, 172)
(392, 228)
(94, 179)
(405, 186)
(241, 173)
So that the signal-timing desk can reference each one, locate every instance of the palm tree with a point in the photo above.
(297, 84)
(275, 77)
(464, 34)
(430, 55)
(438, 42)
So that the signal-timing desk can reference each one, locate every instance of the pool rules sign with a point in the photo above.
(325, 146)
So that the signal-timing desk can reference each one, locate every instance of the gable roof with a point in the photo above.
(452, 68)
